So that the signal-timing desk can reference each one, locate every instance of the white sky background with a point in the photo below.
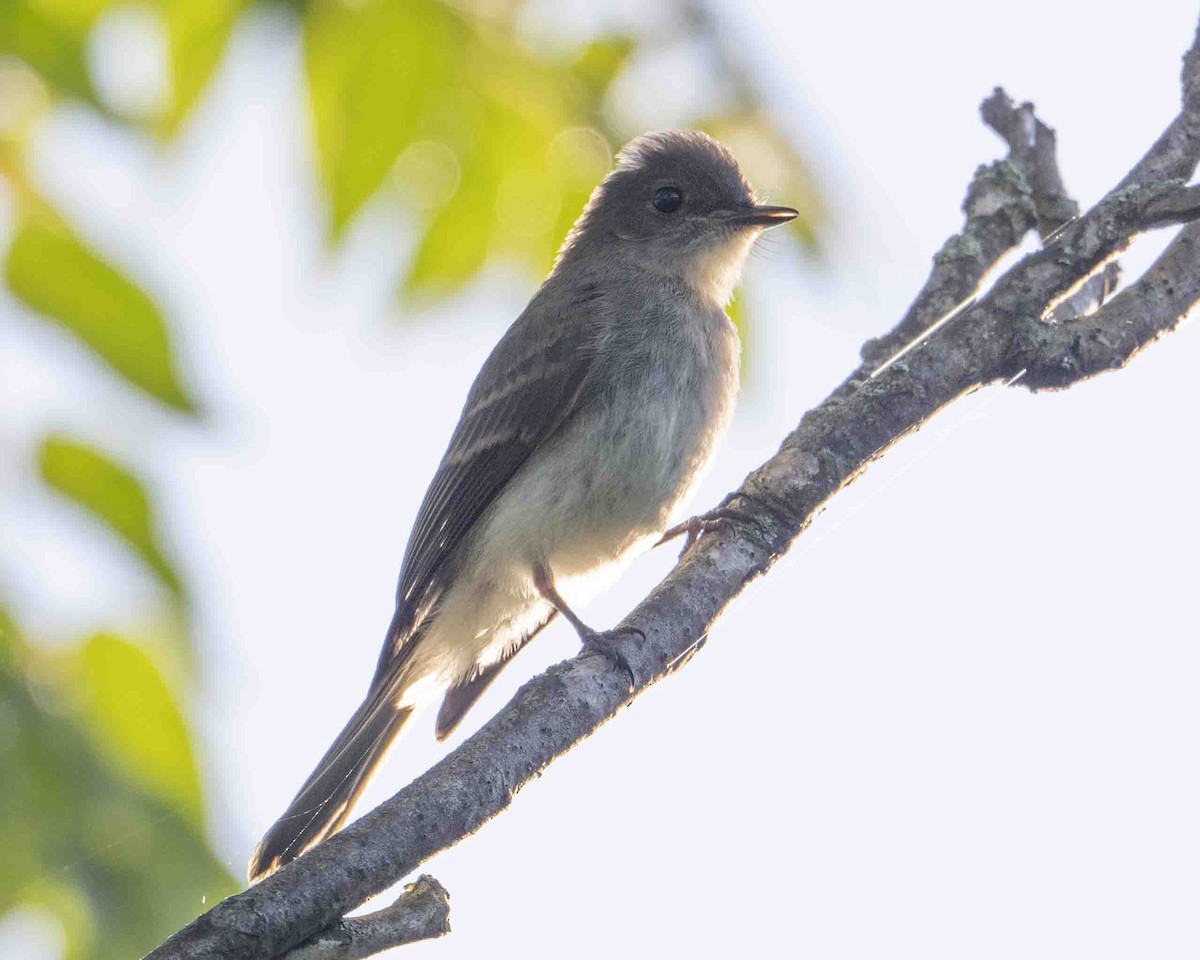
(959, 719)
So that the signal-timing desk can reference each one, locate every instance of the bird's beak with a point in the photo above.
(757, 216)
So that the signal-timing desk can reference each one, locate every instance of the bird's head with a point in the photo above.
(676, 203)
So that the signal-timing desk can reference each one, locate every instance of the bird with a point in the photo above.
(584, 433)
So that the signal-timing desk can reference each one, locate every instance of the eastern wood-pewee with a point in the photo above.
(585, 431)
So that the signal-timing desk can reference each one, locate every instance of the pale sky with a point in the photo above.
(958, 719)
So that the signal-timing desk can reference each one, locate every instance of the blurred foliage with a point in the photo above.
(100, 806)
(494, 149)
(50, 37)
(110, 493)
(119, 322)
(484, 142)
(491, 145)
(197, 32)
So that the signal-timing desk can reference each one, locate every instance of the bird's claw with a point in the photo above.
(604, 643)
(695, 527)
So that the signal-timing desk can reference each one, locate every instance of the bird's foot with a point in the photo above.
(695, 527)
(606, 644)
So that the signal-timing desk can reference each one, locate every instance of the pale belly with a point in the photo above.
(589, 501)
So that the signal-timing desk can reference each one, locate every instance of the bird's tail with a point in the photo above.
(329, 794)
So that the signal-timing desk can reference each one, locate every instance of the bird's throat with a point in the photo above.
(715, 273)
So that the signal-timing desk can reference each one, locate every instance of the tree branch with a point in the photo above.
(422, 912)
(1173, 155)
(1000, 210)
(939, 351)
(1056, 355)
(1032, 150)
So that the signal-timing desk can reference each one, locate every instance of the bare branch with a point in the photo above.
(422, 912)
(1032, 150)
(1090, 295)
(1172, 206)
(1174, 154)
(1004, 336)
(1056, 355)
(999, 211)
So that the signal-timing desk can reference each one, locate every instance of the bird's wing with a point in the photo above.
(529, 385)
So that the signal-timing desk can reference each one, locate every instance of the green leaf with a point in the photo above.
(374, 69)
(383, 76)
(53, 272)
(197, 33)
(49, 37)
(598, 64)
(117, 857)
(457, 240)
(110, 492)
(521, 167)
(130, 710)
(454, 246)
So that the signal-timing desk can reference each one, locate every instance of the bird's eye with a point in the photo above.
(667, 199)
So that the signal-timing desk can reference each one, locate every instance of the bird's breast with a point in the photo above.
(668, 403)
(660, 398)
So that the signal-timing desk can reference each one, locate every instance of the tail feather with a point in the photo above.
(459, 699)
(329, 794)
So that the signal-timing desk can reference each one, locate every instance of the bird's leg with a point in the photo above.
(593, 640)
(543, 579)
